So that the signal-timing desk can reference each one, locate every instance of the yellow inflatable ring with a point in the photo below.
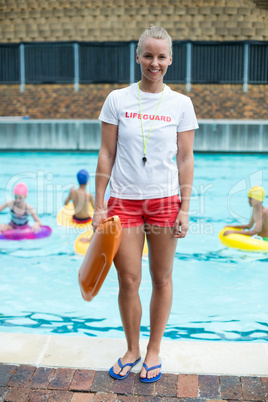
(65, 217)
(83, 240)
(242, 242)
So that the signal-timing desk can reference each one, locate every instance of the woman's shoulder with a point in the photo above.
(177, 95)
(122, 92)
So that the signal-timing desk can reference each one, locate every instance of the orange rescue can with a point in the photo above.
(99, 257)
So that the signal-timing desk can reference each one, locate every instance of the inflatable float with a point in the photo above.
(25, 234)
(99, 257)
(65, 217)
(242, 242)
(82, 242)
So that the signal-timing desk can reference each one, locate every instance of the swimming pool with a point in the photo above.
(219, 294)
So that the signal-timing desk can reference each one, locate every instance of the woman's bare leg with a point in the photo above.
(128, 265)
(162, 246)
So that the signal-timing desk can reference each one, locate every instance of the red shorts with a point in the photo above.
(156, 211)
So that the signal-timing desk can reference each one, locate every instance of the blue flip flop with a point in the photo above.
(154, 379)
(121, 377)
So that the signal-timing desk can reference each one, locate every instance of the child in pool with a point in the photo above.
(20, 211)
(259, 216)
(81, 199)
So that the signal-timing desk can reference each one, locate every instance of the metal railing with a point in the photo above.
(114, 62)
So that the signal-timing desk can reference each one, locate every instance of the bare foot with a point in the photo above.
(151, 360)
(129, 357)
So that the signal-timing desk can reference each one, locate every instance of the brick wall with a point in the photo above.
(62, 102)
(90, 20)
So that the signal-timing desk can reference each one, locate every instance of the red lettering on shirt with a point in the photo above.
(131, 115)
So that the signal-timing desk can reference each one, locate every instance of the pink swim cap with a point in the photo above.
(21, 189)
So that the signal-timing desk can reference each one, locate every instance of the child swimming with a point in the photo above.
(20, 211)
(259, 216)
(81, 199)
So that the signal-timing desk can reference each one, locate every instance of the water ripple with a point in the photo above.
(59, 324)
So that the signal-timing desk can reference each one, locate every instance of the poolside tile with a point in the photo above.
(187, 386)
(3, 392)
(62, 379)
(252, 389)
(194, 400)
(39, 395)
(167, 386)
(82, 397)
(143, 389)
(103, 397)
(209, 386)
(124, 386)
(42, 377)
(17, 394)
(102, 382)
(82, 380)
(22, 376)
(231, 388)
(60, 396)
(6, 372)
(264, 381)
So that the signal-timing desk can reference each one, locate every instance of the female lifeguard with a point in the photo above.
(147, 154)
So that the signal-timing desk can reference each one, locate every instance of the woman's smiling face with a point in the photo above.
(154, 59)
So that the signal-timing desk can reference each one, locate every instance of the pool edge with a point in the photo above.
(187, 357)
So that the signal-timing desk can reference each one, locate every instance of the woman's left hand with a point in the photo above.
(181, 225)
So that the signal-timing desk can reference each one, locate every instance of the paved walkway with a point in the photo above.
(29, 383)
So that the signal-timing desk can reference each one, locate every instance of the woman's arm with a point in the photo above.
(185, 162)
(104, 168)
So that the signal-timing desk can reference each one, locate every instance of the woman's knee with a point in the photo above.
(161, 280)
(128, 281)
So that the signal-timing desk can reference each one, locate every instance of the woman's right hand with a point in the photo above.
(98, 217)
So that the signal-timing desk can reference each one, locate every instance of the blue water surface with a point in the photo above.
(220, 294)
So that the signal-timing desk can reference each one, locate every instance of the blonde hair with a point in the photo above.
(155, 32)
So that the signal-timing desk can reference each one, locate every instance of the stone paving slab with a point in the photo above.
(20, 383)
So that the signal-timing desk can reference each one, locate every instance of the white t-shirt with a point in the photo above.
(130, 178)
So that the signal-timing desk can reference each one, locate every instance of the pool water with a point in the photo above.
(220, 294)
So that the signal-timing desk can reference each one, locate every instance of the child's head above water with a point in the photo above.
(21, 189)
(256, 193)
(20, 193)
(82, 176)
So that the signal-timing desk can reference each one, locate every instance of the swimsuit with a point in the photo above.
(81, 220)
(18, 221)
